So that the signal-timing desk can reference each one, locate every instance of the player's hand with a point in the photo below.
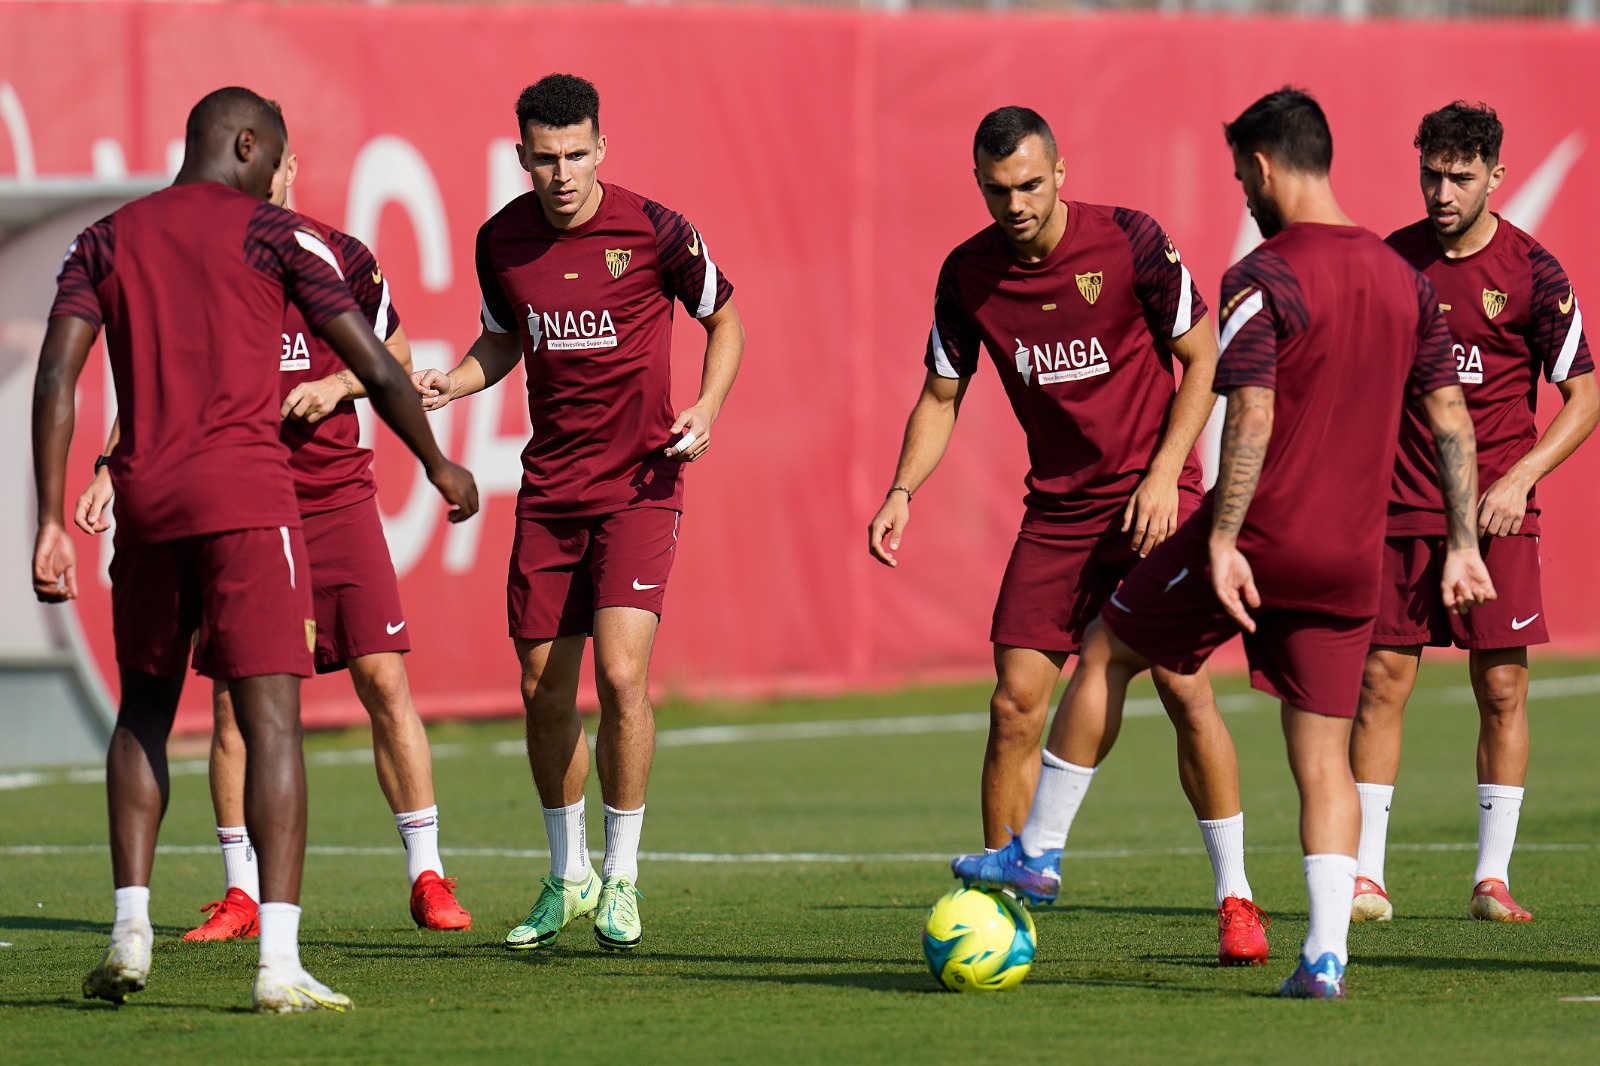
(1152, 513)
(89, 513)
(459, 490)
(434, 387)
(55, 565)
(1234, 583)
(888, 524)
(312, 401)
(1503, 507)
(1466, 582)
(694, 420)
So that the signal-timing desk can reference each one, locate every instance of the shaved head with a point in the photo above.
(236, 137)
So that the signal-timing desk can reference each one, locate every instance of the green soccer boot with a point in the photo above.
(559, 903)
(616, 922)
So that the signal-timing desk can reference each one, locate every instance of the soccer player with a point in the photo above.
(360, 624)
(1325, 333)
(190, 283)
(1514, 316)
(578, 279)
(1083, 309)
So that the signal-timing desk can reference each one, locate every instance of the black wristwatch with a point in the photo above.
(101, 460)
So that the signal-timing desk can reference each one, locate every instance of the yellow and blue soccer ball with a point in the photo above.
(978, 940)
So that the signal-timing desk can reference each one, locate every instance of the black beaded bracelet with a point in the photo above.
(898, 488)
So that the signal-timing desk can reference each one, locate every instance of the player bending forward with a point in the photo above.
(578, 279)
(1325, 334)
(1514, 316)
(359, 621)
(187, 282)
(1082, 308)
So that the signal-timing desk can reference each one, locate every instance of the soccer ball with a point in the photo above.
(978, 940)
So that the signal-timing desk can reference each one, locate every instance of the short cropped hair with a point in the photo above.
(558, 101)
(1461, 131)
(1287, 126)
(232, 105)
(1003, 130)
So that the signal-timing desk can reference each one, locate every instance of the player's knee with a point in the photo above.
(1501, 695)
(1016, 713)
(623, 680)
(387, 696)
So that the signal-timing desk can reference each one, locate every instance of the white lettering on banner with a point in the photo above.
(410, 529)
(107, 160)
(507, 179)
(389, 170)
(1469, 365)
(1072, 361)
(16, 122)
(495, 459)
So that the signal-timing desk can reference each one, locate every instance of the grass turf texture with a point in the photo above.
(818, 961)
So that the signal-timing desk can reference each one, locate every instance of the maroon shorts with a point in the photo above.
(1167, 611)
(1055, 585)
(244, 598)
(353, 587)
(1412, 611)
(563, 570)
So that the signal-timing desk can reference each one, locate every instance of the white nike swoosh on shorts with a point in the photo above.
(1526, 622)
(394, 629)
(644, 588)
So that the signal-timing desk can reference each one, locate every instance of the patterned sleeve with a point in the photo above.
(1172, 302)
(688, 274)
(367, 284)
(86, 265)
(1435, 365)
(1555, 324)
(953, 342)
(1262, 307)
(495, 312)
(281, 243)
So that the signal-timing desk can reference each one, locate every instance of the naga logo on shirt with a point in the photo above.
(1494, 301)
(1072, 361)
(1469, 364)
(566, 331)
(296, 354)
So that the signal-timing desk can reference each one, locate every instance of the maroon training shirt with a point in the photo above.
(1074, 338)
(1344, 332)
(331, 469)
(594, 307)
(191, 284)
(1513, 315)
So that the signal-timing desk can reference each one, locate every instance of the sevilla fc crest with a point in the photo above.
(1090, 284)
(1494, 302)
(617, 260)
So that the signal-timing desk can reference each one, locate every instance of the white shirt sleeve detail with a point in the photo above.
(941, 359)
(1569, 349)
(1185, 318)
(1242, 314)
(489, 322)
(314, 245)
(708, 292)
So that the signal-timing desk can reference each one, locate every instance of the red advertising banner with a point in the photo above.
(825, 156)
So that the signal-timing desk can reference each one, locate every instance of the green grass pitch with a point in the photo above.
(749, 958)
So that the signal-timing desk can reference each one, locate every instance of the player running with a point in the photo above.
(578, 279)
(186, 281)
(1082, 308)
(360, 624)
(1325, 331)
(1513, 315)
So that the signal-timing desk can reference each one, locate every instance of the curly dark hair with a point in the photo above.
(558, 100)
(1460, 132)
(1287, 126)
(1002, 131)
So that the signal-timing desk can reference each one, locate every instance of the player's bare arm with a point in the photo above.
(313, 401)
(1246, 429)
(66, 347)
(724, 351)
(1152, 511)
(1505, 503)
(928, 432)
(490, 359)
(395, 400)
(1466, 582)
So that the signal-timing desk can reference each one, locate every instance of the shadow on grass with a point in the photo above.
(24, 923)
(1432, 962)
(96, 1006)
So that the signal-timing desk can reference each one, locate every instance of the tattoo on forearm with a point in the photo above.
(1457, 455)
(1246, 429)
(348, 382)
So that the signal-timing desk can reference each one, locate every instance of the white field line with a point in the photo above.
(700, 736)
(758, 857)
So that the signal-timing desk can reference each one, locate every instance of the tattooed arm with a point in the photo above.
(1246, 429)
(1466, 582)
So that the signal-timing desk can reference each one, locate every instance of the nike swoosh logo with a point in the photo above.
(694, 245)
(1487, 806)
(1119, 604)
(1565, 306)
(644, 588)
(1525, 622)
(1181, 575)
(394, 629)
(585, 893)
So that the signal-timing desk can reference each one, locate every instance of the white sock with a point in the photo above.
(569, 842)
(280, 936)
(133, 911)
(1375, 803)
(239, 860)
(1330, 884)
(1224, 839)
(420, 832)
(1499, 808)
(1055, 804)
(622, 843)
